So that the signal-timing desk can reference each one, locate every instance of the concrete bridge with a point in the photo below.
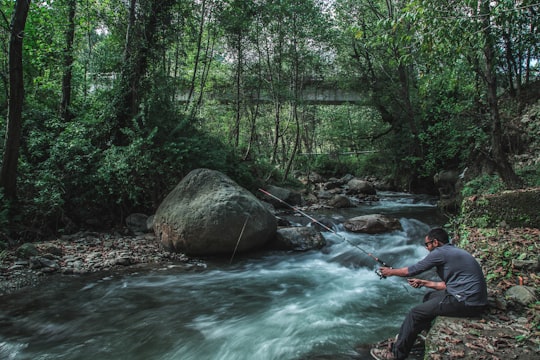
(313, 92)
(309, 95)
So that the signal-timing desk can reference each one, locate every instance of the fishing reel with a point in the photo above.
(381, 276)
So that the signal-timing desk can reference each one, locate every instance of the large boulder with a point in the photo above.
(372, 224)
(208, 213)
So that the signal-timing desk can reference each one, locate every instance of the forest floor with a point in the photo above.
(507, 331)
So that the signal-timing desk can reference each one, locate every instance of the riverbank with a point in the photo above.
(80, 254)
(508, 331)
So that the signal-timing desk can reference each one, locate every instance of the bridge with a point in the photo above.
(310, 95)
(314, 91)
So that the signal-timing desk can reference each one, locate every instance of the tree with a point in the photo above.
(378, 48)
(67, 78)
(8, 175)
(148, 20)
(500, 158)
(475, 40)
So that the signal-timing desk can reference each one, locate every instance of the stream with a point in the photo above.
(324, 304)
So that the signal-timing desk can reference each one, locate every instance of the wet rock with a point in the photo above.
(358, 186)
(286, 195)
(333, 185)
(341, 201)
(298, 238)
(40, 262)
(372, 224)
(325, 195)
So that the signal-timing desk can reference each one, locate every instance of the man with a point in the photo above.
(461, 293)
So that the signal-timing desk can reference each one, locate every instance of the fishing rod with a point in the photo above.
(332, 231)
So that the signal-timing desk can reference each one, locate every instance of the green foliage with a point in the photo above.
(449, 144)
(58, 168)
(485, 184)
(331, 165)
(336, 165)
(530, 175)
(423, 108)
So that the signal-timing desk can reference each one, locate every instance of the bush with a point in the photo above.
(483, 185)
(530, 175)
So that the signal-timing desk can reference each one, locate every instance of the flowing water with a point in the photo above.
(323, 304)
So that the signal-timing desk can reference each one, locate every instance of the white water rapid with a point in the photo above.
(314, 305)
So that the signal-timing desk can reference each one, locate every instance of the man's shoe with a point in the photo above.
(381, 354)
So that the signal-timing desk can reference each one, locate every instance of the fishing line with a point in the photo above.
(332, 231)
(239, 238)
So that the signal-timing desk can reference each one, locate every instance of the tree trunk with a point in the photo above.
(503, 166)
(8, 176)
(297, 90)
(208, 56)
(65, 111)
(198, 55)
(238, 100)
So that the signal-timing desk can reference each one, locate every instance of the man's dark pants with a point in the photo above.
(420, 317)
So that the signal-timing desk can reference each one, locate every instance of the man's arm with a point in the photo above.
(418, 283)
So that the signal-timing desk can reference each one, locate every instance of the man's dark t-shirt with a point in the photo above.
(459, 270)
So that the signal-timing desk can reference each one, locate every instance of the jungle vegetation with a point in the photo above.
(105, 105)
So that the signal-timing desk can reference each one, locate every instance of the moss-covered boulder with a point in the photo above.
(518, 208)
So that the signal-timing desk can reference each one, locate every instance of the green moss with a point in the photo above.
(512, 208)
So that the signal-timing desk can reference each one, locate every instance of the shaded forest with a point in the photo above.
(106, 105)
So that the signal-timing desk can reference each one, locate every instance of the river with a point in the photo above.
(324, 304)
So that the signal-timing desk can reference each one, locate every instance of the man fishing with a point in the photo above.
(461, 293)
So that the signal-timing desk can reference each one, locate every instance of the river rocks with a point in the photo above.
(347, 191)
(340, 201)
(298, 238)
(83, 253)
(286, 196)
(358, 186)
(523, 295)
(208, 213)
(372, 224)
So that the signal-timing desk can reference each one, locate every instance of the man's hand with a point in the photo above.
(417, 283)
(385, 271)
(388, 271)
